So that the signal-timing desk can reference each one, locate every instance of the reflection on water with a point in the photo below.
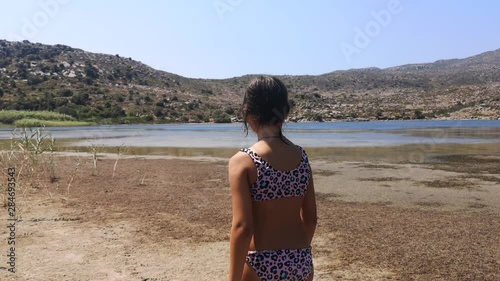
(461, 132)
(328, 134)
(341, 140)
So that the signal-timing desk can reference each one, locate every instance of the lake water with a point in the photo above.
(327, 134)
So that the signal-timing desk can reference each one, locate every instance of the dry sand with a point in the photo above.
(164, 218)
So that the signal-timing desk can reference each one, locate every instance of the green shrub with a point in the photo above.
(48, 123)
(66, 93)
(221, 117)
(11, 116)
(418, 114)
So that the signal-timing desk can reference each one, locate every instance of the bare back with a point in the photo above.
(277, 222)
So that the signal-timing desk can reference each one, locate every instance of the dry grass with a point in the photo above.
(327, 196)
(383, 179)
(477, 205)
(190, 201)
(482, 177)
(449, 183)
(377, 166)
(416, 244)
(429, 204)
(325, 173)
(468, 164)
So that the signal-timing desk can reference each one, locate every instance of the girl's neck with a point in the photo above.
(268, 132)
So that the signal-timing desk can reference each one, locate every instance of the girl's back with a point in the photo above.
(277, 221)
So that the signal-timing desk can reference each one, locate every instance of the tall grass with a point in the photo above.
(120, 150)
(27, 146)
(11, 116)
(95, 157)
(48, 123)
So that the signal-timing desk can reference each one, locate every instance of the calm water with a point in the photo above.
(328, 134)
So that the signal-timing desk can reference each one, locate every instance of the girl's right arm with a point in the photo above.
(242, 225)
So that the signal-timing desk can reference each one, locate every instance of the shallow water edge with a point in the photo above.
(412, 153)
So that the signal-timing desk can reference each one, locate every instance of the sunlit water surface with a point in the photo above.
(222, 139)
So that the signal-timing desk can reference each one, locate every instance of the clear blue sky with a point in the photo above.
(227, 38)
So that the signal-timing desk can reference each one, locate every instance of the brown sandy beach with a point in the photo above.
(166, 218)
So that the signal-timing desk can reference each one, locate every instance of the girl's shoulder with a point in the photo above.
(240, 159)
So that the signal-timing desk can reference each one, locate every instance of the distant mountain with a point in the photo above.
(487, 61)
(113, 89)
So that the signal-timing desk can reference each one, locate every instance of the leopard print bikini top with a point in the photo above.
(272, 183)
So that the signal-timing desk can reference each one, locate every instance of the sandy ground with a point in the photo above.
(165, 218)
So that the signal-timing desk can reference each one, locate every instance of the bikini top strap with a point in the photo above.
(254, 156)
(303, 153)
(260, 161)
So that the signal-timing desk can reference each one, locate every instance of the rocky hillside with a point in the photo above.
(113, 89)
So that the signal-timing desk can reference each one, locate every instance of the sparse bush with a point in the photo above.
(158, 112)
(207, 92)
(221, 117)
(34, 80)
(418, 114)
(314, 117)
(229, 111)
(80, 99)
(91, 72)
(66, 93)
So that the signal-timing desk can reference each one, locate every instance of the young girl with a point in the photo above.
(274, 206)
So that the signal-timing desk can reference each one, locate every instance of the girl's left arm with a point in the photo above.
(242, 225)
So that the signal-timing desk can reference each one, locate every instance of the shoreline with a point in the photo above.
(3, 126)
(391, 153)
(409, 153)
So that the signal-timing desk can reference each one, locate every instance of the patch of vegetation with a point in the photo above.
(325, 173)
(49, 123)
(419, 114)
(11, 116)
(378, 166)
(327, 196)
(221, 117)
(476, 205)
(451, 183)
(382, 179)
(314, 117)
(469, 164)
(429, 204)
(482, 177)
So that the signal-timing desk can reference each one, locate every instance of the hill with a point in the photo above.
(112, 89)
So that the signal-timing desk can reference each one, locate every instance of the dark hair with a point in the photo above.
(267, 99)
